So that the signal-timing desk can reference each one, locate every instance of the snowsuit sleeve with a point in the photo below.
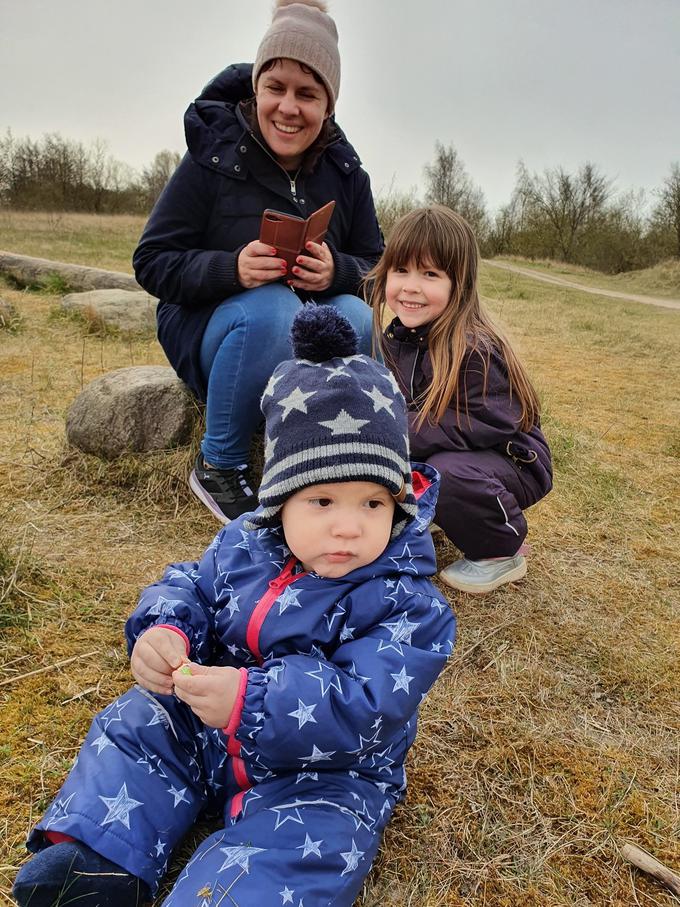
(301, 710)
(171, 261)
(491, 417)
(186, 597)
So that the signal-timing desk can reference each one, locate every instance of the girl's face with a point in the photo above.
(291, 109)
(417, 294)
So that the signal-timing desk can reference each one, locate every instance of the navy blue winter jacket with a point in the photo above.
(212, 206)
(333, 670)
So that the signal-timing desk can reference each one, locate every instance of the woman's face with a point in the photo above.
(291, 109)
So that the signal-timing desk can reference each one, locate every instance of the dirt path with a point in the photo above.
(560, 281)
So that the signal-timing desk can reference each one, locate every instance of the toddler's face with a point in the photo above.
(417, 294)
(334, 528)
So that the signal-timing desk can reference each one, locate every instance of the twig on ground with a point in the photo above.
(649, 864)
(57, 664)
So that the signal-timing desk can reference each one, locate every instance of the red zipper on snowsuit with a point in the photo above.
(263, 607)
(257, 619)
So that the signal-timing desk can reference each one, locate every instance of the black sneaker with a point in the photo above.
(227, 493)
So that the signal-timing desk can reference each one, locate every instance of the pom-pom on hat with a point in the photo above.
(332, 415)
(302, 30)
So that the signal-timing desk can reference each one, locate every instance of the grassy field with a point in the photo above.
(552, 737)
(661, 280)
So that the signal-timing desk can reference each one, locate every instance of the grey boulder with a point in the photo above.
(130, 311)
(132, 410)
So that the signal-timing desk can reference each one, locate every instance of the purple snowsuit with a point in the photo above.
(490, 470)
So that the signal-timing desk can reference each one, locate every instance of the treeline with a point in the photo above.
(57, 174)
(573, 217)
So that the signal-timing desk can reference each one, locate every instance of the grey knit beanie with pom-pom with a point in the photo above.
(302, 30)
(332, 415)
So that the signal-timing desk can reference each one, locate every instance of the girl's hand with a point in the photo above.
(315, 271)
(210, 692)
(156, 654)
(258, 264)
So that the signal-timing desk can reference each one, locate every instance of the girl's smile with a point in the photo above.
(417, 294)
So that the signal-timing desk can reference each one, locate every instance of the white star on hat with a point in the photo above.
(344, 424)
(295, 400)
(380, 401)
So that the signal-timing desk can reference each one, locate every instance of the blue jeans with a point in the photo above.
(246, 338)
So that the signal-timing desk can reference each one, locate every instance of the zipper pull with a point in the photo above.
(293, 189)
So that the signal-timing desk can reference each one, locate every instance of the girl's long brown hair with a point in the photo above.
(438, 237)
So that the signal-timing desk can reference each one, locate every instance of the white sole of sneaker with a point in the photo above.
(512, 576)
(205, 498)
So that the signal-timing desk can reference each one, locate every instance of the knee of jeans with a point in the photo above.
(270, 312)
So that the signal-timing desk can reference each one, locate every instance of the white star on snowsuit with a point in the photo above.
(178, 795)
(239, 856)
(303, 713)
(351, 858)
(102, 742)
(288, 599)
(401, 680)
(316, 755)
(120, 807)
(60, 810)
(333, 681)
(310, 847)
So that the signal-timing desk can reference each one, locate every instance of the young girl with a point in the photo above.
(473, 412)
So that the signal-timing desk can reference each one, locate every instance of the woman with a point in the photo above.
(226, 299)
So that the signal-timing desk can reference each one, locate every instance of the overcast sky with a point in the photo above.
(548, 81)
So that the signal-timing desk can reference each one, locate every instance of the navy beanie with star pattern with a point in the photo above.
(332, 415)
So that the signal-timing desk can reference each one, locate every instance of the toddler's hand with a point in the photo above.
(156, 654)
(210, 692)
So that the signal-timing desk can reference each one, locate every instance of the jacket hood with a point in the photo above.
(409, 551)
(215, 128)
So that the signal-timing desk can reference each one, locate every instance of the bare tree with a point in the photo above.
(157, 174)
(562, 204)
(667, 212)
(448, 183)
(391, 204)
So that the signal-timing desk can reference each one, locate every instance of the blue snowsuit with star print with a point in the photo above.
(311, 765)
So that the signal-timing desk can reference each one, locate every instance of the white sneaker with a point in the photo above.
(483, 576)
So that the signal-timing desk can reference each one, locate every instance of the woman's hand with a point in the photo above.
(258, 264)
(156, 654)
(210, 692)
(313, 272)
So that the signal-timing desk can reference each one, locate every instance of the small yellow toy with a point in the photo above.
(185, 669)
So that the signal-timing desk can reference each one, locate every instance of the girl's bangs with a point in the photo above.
(418, 242)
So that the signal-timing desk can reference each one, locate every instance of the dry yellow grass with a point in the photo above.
(553, 734)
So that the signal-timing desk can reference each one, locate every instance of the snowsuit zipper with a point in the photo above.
(257, 618)
(262, 608)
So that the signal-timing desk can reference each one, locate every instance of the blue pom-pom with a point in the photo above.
(320, 332)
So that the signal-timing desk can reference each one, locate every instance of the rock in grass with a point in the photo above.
(130, 311)
(132, 410)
